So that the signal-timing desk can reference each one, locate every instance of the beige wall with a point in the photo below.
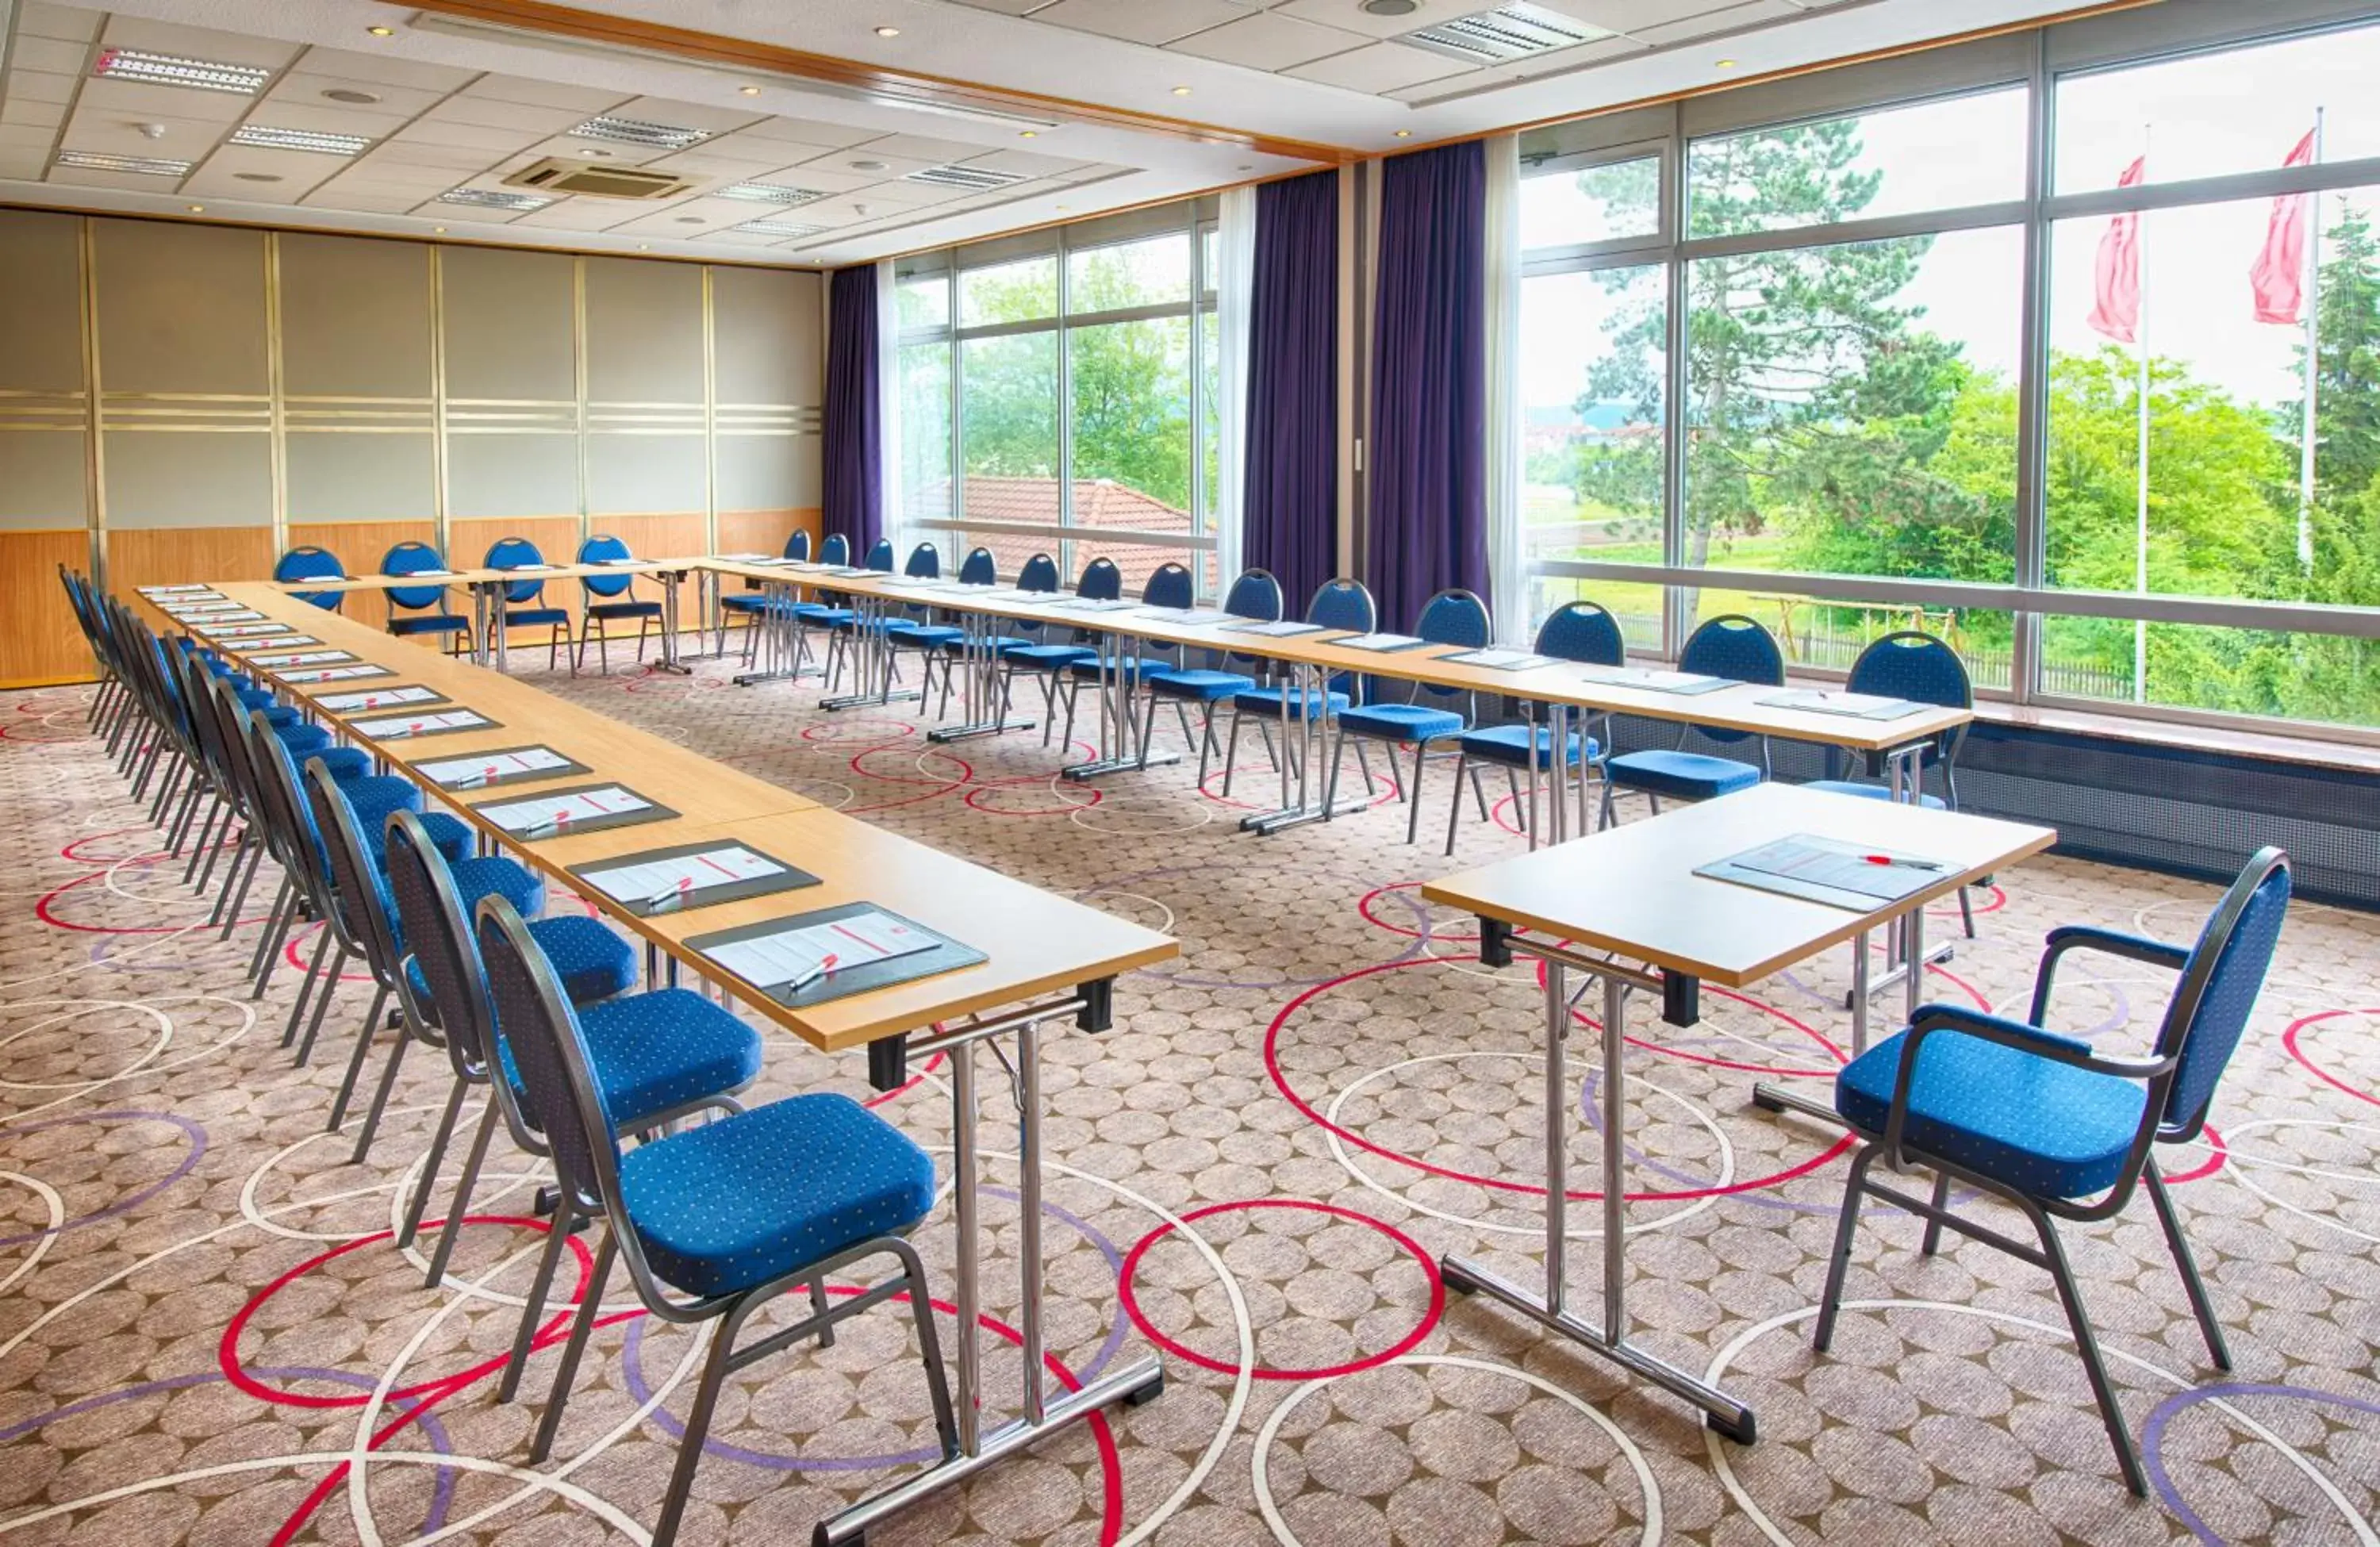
(183, 402)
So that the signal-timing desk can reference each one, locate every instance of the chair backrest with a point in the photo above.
(1583, 632)
(506, 552)
(1171, 586)
(309, 563)
(596, 549)
(359, 899)
(1910, 664)
(2218, 989)
(430, 912)
(980, 568)
(836, 551)
(1039, 573)
(879, 557)
(1738, 648)
(1101, 581)
(276, 787)
(410, 557)
(1453, 616)
(1344, 604)
(798, 547)
(537, 1025)
(925, 563)
(1255, 594)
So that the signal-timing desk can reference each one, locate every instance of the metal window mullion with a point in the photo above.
(1198, 404)
(1929, 222)
(2030, 561)
(1673, 397)
(2227, 189)
(1066, 413)
(956, 426)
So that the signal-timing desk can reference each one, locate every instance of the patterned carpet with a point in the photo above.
(207, 1335)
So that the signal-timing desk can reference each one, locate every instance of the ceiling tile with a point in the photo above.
(567, 214)
(1028, 162)
(133, 100)
(684, 114)
(385, 69)
(1268, 41)
(1349, 16)
(570, 148)
(131, 182)
(490, 142)
(184, 139)
(419, 156)
(197, 43)
(24, 110)
(22, 166)
(326, 118)
(37, 20)
(1633, 15)
(52, 55)
(14, 137)
(744, 162)
(300, 173)
(918, 147)
(799, 131)
(522, 118)
(1007, 7)
(1380, 66)
(304, 86)
(541, 93)
(845, 160)
(38, 86)
(1143, 22)
(1706, 25)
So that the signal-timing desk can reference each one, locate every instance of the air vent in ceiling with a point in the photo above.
(1504, 34)
(975, 179)
(554, 175)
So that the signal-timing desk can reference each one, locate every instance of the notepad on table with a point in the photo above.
(1286, 628)
(1858, 706)
(270, 641)
(669, 880)
(176, 590)
(1189, 615)
(1498, 660)
(1653, 680)
(377, 698)
(1828, 870)
(795, 958)
(571, 810)
(482, 769)
(1382, 644)
(355, 672)
(397, 727)
(424, 575)
(1093, 604)
(301, 657)
(241, 630)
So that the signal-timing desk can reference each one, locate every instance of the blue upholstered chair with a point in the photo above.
(523, 605)
(980, 568)
(913, 628)
(749, 602)
(1255, 594)
(657, 1056)
(2041, 1121)
(841, 623)
(1734, 647)
(1426, 715)
(1049, 658)
(420, 609)
(719, 1220)
(1339, 603)
(1580, 631)
(309, 563)
(1915, 666)
(605, 600)
(1170, 585)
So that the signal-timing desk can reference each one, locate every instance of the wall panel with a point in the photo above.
(765, 531)
(355, 319)
(666, 535)
(510, 325)
(169, 555)
(506, 476)
(40, 642)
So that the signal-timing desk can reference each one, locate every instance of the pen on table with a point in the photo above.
(1903, 864)
(805, 980)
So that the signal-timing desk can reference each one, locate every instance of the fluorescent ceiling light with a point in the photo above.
(1507, 32)
(781, 228)
(635, 131)
(979, 178)
(494, 199)
(103, 161)
(267, 138)
(767, 194)
(169, 70)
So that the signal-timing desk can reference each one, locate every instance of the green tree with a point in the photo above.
(2347, 370)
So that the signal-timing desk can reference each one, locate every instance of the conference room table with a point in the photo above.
(1635, 909)
(486, 587)
(1047, 960)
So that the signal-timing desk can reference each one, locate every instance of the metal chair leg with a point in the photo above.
(240, 896)
(305, 989)
(364, 1038)
(714, 1371)
(1831, 1299)
(463, 1186)
(1330, 780)
(268, 943)
(1363, 766)
(1413, 817)
(558, 1232)
(435, 1156)
(1231, 752)
(1454, 798)
(2205, 1307)
(1941, 1178)
(2086, 1343)
(379, 1095)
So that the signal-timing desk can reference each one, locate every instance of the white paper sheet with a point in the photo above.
(488, 767)
(336, 674)
(273, 641)
(241, 630)
(1287, 628)
(799, 956)
(1386, 644)
(301, 657)
(1499, 660)
(655, 881)
(342, 703)
(415, 725)
(176, 590)
(551, 815)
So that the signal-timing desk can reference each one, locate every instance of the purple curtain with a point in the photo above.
(1290, 507)
(854, 421)
(1428, 451)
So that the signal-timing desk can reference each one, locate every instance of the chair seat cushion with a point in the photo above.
(1126, 665)
(302, 739)
(1868, 792)
(346, 763)
(437, 624)
(591, 962)
(744, 602)
(750, 1199)
(1687, 775)
(653, 1053)
(610, 611)
(1400, 722)
(1511, 745)
(495, 876)
(2040, 1127)
(1270, 701)
(999, 644)
(818, 614)
(1048, 657)
(537, 617)
(1196, 682)
(925, 636)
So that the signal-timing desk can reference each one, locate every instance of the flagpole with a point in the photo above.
(2312, 365)
(2140, 459)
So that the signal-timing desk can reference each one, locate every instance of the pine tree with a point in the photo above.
(2347, 364)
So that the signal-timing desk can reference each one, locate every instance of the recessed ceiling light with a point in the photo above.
(438, 230)
(1028, 134)
(198, 209)
(1725, 65)
(888, 31)
(257, 177)
(494, 199)
(381, 31)
(106, 160)
(1061, 209)
(170, 69)
(637, 131)
(688, 219)
(1182, 91)
(749, 91)
(642, 246)
(596, 155)
(1390, 7)
(767, 194)
(868, 166)
(268, 138)
(1404, 134)
(349, 96)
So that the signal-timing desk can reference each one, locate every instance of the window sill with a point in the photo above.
(2305, 752)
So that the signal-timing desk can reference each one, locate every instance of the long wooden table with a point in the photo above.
(1046, 958)
(488, 610)
(1625, 906)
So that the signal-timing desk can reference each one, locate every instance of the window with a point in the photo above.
(1934, 155)
(1562, 206)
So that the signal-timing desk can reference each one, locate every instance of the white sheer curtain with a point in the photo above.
(1508, 568)
(895, 508)
(1235, 242)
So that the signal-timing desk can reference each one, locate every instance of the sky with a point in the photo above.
(2201, 116)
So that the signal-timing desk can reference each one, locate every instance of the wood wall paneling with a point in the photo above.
(673, 534)
(174, 555)
(359, 546)
(765, 531)
(42, 642)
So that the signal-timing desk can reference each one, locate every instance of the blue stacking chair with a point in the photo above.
(420, 609)
(309, 563)
(657, 1056)
(719, 1220)
(1912, 664)
(979, 568)
(606, 601)
(2039, 1120)
(523, 605)
(1050, 659)
(1169, 586)
(914, 629)
(1452, 618)
(1732, 646)
(1255, 594)
(841, 623)
(1339, 603)
(1582, 631)
(747, 604)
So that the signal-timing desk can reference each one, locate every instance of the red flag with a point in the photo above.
(2116, 310)
(2278, 276)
